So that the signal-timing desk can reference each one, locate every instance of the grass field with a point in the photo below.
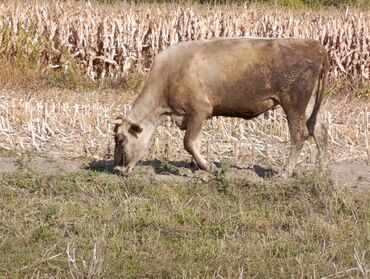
(97, 225)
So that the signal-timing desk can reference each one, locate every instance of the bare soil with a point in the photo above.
(352, 175)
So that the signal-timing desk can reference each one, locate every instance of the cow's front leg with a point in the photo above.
(192, 139)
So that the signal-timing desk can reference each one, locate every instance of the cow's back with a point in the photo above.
(235, 76)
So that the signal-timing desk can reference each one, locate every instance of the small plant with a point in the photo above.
(42, 233)
(223, 182)
(167, 167)
(21, 163)
(51, 214)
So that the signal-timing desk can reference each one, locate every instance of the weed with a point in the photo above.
(7, 153)
(51, 214)
(20, 163)
(223, 181)
(166, 167)
(133, 82)
(42, 233)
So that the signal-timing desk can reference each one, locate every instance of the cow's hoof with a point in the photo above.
(205, 167)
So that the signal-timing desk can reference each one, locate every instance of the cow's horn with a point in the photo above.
(130, 122)
(117, 121)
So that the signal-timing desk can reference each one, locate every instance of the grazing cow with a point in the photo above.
(239, 77)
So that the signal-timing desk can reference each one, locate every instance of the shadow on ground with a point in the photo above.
(264, 172)
(178, 168)
(159, 167)
(101, 166)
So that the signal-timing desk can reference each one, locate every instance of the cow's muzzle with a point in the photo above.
(120, 170)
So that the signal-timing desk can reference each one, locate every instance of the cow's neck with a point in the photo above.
(145, 108)
(148, 125)
(145, 112)
(145, 136)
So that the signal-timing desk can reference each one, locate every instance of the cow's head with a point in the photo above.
(129, 147)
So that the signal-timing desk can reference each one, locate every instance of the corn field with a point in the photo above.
(114, 41)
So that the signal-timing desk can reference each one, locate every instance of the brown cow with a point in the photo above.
(240, 77)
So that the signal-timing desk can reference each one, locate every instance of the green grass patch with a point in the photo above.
(96, 225)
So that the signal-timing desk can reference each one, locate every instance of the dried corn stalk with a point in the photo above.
(114, 42)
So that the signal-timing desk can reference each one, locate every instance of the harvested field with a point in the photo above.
(77, 124)
(70, 125)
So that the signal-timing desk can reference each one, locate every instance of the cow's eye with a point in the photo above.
(119, 140)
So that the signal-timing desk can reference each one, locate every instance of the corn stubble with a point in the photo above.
(77, 125)
(114, 41)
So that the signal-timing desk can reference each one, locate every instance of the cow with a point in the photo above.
(193, 81)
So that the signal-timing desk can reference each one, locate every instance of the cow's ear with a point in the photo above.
(136, 128)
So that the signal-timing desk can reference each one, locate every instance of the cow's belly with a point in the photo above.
(244, 109)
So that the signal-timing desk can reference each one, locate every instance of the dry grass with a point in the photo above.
(113, 41)
(76, 124)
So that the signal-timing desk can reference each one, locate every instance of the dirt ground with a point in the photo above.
(353, 175)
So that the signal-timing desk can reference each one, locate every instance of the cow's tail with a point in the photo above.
(319, 94)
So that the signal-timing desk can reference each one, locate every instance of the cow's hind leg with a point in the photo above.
(298, 135)
(317, 129)
(192, 139)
